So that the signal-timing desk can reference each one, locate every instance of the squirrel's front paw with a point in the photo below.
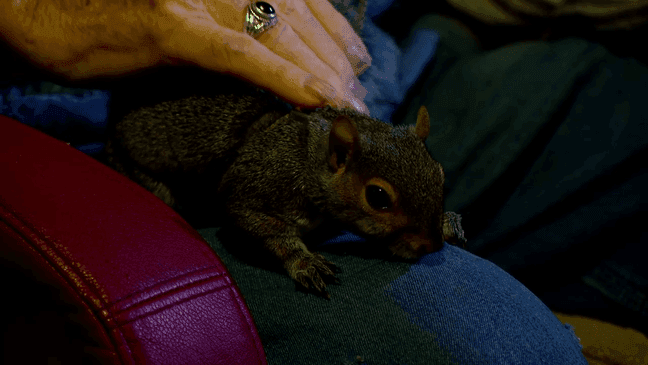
(312, 271)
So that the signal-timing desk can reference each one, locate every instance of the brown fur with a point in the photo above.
(281, 174)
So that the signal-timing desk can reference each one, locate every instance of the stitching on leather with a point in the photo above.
(103, 310)
(121, 323)
(88, 293)
(250, 329)
(56, 255)
(128, 302)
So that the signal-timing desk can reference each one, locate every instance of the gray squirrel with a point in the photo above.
(279, 174)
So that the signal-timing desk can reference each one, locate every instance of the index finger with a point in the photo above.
(342, 33)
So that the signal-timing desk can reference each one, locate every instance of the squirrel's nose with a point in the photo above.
(419, 242)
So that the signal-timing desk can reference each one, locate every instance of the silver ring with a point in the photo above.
(260, 17)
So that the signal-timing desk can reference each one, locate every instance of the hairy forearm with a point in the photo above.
(81, 38)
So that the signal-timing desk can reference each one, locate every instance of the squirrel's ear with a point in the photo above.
(343, 142)
(422, 128)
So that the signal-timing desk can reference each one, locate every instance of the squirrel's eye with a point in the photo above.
(377, 197)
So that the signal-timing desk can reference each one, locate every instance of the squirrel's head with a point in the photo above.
(386, 184)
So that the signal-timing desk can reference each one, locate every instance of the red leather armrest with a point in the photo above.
(147, 286)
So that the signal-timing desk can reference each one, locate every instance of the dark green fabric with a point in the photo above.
(300, 328)
(486, 110)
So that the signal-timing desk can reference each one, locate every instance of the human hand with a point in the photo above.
(310, 57)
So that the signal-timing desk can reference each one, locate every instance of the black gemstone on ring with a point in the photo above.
(265, 7)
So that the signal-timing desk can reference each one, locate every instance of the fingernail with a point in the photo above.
(356, 87)
(359, 58)
(321, 90)
(357, 104)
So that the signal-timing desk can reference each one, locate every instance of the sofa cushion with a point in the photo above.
(144, 283)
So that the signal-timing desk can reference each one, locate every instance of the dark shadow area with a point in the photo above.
(37, 323)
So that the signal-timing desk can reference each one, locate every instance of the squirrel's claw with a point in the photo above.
(452, 230)
(313, 271)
